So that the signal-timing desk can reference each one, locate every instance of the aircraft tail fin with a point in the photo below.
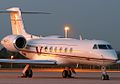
(16, 21)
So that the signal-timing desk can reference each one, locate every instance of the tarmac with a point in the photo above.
(52, 76)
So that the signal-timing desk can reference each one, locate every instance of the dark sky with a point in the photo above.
(94, 19)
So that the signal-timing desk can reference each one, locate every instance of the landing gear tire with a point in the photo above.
(105, 77)
(69, 73)
(29, 73)
(66, 74)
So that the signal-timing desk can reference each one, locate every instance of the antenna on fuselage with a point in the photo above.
(80, 36)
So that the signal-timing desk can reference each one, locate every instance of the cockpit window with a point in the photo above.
(109, 47)
(95, 46)
(102, 47)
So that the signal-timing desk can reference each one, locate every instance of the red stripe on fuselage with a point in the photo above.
(65, 56)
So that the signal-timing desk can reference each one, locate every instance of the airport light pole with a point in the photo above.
(66, 29)
(11, 57)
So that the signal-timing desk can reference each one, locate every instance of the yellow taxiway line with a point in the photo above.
(56, 70)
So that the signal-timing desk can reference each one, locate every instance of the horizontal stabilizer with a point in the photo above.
(24, 12)
(34, 12)
(26, 61)
(5, 11)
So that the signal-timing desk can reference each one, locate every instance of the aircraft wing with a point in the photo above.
(26, 61)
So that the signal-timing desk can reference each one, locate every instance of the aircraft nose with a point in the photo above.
(110, 55)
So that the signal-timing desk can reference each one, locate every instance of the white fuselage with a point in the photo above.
(61, 50)
(69, 51)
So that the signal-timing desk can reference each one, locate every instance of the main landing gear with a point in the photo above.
(67, 72)
(104, 76)
(27, 72)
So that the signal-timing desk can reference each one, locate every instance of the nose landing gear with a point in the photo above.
(104, 76)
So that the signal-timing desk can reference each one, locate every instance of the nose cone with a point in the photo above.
(112, 55)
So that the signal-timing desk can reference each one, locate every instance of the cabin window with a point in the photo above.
(60, 49)
(51, 49)
(95, 46)
(71, 50)
(55, 49)
(65, 49)
(46, 48)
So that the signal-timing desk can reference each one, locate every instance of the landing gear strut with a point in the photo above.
(67, 72)
(27, 72)
(104, 76)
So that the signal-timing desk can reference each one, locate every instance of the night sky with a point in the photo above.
(93, 19)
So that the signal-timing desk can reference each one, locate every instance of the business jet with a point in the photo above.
(54, 49)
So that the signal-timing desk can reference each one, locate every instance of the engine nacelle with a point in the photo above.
(14, 42)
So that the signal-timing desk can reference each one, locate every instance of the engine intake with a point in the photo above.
(20, 42)
(14, 42)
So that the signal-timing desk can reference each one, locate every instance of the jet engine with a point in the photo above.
(14, 42)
